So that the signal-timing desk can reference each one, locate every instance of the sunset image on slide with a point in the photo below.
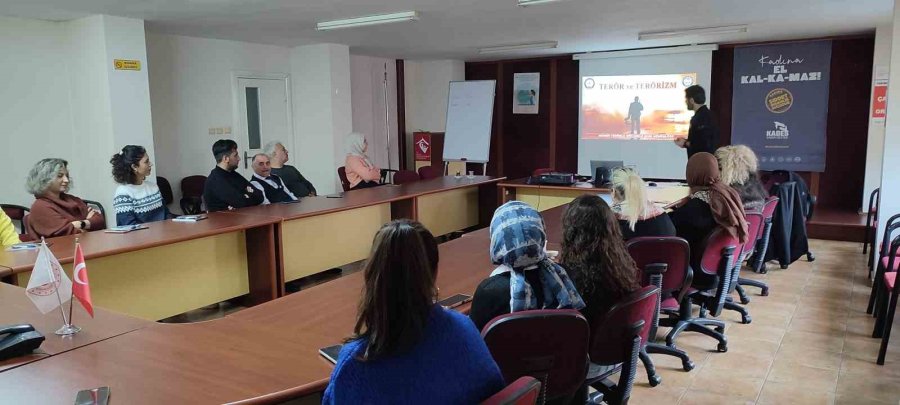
(637, 107)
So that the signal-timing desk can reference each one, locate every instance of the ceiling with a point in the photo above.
(455, 29)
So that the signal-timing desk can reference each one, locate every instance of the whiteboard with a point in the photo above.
(470, 111)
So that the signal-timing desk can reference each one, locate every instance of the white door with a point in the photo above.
(263, 116)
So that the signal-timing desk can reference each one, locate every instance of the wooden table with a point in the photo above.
(544, 197)
(175, 267)
(171, 267)
(259, 350)
(268, 348)
(16, 308)
(320, 233)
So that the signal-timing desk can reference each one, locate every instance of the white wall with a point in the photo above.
(426, 85)
(367, 77)
(190, 92)
(875, 143)
(34, 111)
(60, 89)
(322, 111)
(890, 170)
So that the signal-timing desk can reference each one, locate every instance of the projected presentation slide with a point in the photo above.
(645, 107)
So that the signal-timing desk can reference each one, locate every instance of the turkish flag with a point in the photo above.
(81, 288)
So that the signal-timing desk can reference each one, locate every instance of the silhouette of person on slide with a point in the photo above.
(634, 115)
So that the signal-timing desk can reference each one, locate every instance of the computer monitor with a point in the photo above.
(607, 167)
(609, 164)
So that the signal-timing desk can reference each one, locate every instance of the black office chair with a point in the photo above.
(96, 206)
(16, 213)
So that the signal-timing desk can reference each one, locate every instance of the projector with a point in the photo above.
(562, 179)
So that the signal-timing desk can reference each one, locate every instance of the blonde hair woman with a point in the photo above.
(739, 167)
(636, 214)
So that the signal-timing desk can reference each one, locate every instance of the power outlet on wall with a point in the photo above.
(212, 131)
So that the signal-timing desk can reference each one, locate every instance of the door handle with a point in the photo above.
(246, 157)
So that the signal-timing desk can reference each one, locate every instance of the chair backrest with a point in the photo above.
(889, 227)
(524, 391)
(620, 335)
(165, 189)
(430, 172)
(342, 175)
(719, 251)
(405, 176)
(612, 336)
(96, 206)
(672, 251)
(16, 213)
(550, 345)
(755, 223)
(544, 170)
(192, 186)
(769, 207)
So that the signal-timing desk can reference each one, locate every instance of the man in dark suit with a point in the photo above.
(703, 135)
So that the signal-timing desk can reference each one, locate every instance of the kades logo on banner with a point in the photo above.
(780, 132)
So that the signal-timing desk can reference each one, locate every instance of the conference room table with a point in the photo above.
(547, 196)
(170, 267)
(16, 308)
(269, 350)
(320, 233)
(174, 267)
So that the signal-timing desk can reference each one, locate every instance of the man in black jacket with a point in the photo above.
(226, 189)
(703, 135)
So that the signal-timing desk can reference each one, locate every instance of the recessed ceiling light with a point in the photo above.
(730, 29)
(368, 20)
(519, 47)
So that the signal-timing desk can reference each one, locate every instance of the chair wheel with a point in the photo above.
(746, 320)
(655, 380)
(810, 257)
(765, 292)
(784, 266)
(723, 347)
(745, 301)
(687, 365)
(720, 329)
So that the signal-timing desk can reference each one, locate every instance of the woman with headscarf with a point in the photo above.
(360, 171)
(711, 203)
(739, 170)
(526, 277)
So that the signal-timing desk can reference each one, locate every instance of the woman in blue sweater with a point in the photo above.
(137, 200)
(405, 348)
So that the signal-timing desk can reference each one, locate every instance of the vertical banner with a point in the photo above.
(422, 146)
(780, 104)
(526, 92)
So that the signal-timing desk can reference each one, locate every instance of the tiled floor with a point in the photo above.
(809, 343)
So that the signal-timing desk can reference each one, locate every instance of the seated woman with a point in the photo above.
(406, 348)
(54, 212)
(636, 214)
(740, 171)
(8, 234)
(137, 200)
(360, 171)
(595, 257)
(710, 204)
(527, 278)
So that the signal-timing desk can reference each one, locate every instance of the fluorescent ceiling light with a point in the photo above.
(526, 3)
(368, 20)
(730, 29)
(519, 47)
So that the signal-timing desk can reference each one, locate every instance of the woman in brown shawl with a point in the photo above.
(54, 212)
